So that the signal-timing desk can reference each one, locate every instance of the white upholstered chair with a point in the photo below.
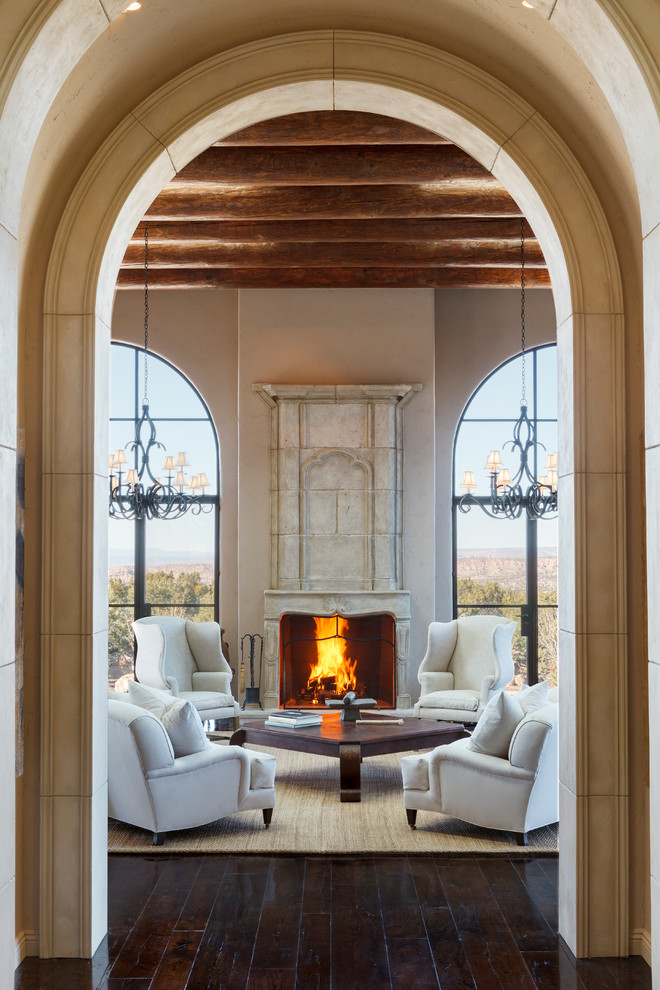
(468, 660)
(516, 793)
(151, 788)
(185, 658)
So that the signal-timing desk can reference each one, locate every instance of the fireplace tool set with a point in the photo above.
(252, 690)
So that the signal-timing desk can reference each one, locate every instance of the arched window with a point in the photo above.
(501, 566)
(160, 567)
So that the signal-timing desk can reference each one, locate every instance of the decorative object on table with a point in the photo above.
(293, 719)
(509, 496)
(467, 661)
(379, 721)
(252, 690)
(350, 706)
(185, 659)
(140, 493)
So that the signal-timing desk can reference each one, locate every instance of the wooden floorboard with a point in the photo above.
(332, 923)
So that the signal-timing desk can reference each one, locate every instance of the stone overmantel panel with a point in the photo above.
(337, 485)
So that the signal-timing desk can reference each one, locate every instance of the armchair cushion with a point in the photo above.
(262, 770)
(498, 722)
(206, 701)
(415, 772)
(181, 719)
(533, 697)
(459, 700)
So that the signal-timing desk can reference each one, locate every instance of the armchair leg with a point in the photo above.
(521, 838)
(268, 814)
(159, 838)
(237, 723)
(411, 815)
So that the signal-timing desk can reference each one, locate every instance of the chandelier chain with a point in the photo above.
(523, 400)
(522, 492)
(146, 310)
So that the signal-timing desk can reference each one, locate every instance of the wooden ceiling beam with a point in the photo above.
(332, 202)
(502, 254)
(332, 127)
(394, 230)
(329, 165)
(287, 278)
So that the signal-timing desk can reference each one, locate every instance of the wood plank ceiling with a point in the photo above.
(333, 199)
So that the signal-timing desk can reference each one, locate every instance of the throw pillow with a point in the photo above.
(179, 717)
(185, 729)
(496, 726)
(150, 698)
(532, 697)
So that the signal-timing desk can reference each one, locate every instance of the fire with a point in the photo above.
(332, 664)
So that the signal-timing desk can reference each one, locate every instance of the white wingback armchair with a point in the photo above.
(151, 788)
(467, 661)
(186, 659)
(515, 793)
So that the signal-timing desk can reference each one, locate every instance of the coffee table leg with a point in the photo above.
(238, 738)
(349, 772)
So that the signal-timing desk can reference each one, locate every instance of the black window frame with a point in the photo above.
(142, 607)
(529, 611)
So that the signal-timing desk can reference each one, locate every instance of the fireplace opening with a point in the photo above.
(326, 656)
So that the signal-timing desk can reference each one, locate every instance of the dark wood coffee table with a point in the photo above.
(350, 742)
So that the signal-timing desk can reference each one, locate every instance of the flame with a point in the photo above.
(331, 653)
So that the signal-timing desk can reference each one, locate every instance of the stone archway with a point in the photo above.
(357, 71)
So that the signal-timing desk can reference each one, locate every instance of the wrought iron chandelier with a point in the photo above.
(509, 497)
(136, 493)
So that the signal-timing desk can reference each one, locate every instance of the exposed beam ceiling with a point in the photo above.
(333, 198)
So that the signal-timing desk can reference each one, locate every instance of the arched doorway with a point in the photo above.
(27, 58)
(565, 235)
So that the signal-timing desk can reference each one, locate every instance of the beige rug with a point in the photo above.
(309, 818)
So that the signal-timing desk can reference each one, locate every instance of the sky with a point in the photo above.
(192, 536)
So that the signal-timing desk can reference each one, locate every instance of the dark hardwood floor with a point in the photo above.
(297, 923)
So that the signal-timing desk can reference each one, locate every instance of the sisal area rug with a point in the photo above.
(309, 818)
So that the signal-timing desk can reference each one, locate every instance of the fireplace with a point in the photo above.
(336, 533)
(323, 657)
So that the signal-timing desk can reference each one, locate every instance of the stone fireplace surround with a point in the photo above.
(336, 512)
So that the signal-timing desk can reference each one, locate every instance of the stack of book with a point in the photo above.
(292, 718)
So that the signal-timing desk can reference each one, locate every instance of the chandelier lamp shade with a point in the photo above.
(509, 497)
(135, 491)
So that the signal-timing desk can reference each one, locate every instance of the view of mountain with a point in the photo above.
(507, 570)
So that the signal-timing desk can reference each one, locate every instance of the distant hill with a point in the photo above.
(205, 571)
(507, 571)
